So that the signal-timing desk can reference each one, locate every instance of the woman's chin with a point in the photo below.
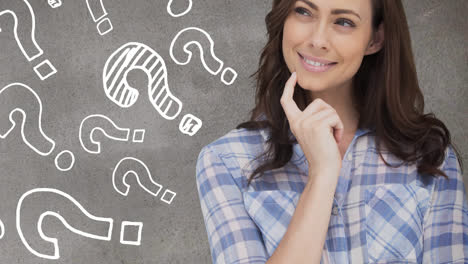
(311, 85)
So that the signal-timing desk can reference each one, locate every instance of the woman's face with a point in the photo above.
(327, 31)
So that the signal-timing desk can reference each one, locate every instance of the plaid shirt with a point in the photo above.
(380, 214)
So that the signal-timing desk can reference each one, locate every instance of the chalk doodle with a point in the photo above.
(2, 229)
(190, 124)
(55, 3)
(169, 9)
(138, 56)
(205, 45)
(60, 157)
(25, 23)
(97, 122)
(83, 223)
(30, 110)
(99, 13)
(130, 165)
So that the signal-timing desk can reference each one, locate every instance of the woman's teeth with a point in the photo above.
(314, 63)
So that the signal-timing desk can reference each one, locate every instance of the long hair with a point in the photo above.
(385, 89)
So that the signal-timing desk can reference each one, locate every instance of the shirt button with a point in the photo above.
(335, 210)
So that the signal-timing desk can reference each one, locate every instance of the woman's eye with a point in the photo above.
(346, 21)
(301, 11)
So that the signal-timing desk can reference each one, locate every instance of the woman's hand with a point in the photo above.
(317, 129)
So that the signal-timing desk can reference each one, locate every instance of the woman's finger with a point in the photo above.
(334, 121)
(316, 105)
(289, 105)
(317, 116)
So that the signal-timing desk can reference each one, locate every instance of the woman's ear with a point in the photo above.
(377, 41)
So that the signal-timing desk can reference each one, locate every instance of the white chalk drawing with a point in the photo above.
(95, 122)
(38, 246)
(30, 109)
(130, 165)
(99, 13)
(170, 196)
(169, 9)
(137, 56)
(190, 124)
(125, 224)
(60, 156)
(2, 229)
(25, 22)
(54, 3)
(214, 67)
(32, 120)
(138, 135)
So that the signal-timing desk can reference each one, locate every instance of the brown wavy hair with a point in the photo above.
(385, 89)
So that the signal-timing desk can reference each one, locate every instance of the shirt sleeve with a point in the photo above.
(233, 236)
(446, 223)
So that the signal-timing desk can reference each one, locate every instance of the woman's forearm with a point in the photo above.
(304, 239)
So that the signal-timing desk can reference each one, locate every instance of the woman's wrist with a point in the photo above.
(323, 177)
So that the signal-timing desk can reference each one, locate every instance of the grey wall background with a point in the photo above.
(172, 233)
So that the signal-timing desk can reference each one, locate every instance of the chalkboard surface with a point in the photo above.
(105, 105)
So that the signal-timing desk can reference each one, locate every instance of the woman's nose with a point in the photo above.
(318, 37)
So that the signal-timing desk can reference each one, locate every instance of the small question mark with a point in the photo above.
(103, 123)
(169, 9)
(99, 13)
(2, 229)
(55, 3)
(83, 223)
(26, 22)
(138, 56)
(215, 67)
(129, 165)
(30, 108)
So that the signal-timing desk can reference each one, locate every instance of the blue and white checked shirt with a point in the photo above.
(380, 214)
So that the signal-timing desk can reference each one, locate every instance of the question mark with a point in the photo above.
(84, 224)
(103, 123)
(138, 56)
(215, 67)
(129, 165)
(31, 122)
(99, 13)
(2, 229)
(27, 26)
(169, 9)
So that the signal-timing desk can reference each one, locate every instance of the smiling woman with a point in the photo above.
(338, 162)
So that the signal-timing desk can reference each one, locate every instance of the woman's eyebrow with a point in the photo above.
(334, 11)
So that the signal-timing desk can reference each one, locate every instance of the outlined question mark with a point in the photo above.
(2, 229)
(83, 223)
(130, 165)
(93, 123)
(25, 23)
(99, 13)
(30, 109)
(169, 9)
(214, 66)
(138, 56)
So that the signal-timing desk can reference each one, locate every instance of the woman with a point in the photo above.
(338, 163)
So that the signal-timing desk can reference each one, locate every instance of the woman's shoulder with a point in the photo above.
(233, 153)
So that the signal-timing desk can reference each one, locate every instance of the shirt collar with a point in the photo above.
(298, 156)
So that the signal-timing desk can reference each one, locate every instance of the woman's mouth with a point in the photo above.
(315, 66)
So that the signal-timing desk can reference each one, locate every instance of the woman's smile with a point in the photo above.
(312, 64)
